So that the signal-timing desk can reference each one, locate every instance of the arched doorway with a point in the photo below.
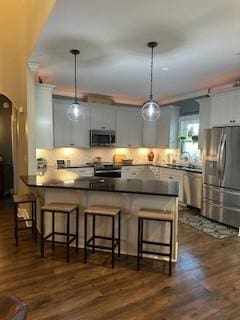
(7, 150)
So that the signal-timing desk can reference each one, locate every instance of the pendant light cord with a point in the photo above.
(75, 79)
(151, 83)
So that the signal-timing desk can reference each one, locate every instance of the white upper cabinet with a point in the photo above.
(149, 134)
(226, 108)
(44, 116)
(69, 133)
(167, 127)
(204, 118)
(103, 117)
(128, 127)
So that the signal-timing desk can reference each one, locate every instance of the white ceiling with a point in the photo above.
(198, 42)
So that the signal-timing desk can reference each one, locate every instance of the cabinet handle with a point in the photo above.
(170, 177)
(230, 121)
(129, 145)
(72, 144)
(234, 121)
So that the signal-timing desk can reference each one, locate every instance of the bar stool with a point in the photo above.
(102, 211)
(159, 216)
(19, 199)
(63, 208)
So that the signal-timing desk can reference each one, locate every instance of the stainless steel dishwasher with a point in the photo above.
(192, 189)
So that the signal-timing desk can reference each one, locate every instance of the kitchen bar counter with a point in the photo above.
(187, 168)
(131, 195)
(66, 180)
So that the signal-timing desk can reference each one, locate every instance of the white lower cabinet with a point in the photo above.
(173, 175)
(132, 172)
(83, 172)
(141, 172)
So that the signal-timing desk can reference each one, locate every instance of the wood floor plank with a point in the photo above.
(205, 284)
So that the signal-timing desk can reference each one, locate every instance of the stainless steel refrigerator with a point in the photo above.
(221, 180)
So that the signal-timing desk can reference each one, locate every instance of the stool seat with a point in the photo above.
(102, 210)
(59, 207)
(21, 198)
(155, 214)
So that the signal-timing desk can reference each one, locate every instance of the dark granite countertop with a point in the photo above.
(187, 168)
(67, 180)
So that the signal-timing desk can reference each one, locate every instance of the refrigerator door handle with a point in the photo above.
(219, 160)
(221, 157)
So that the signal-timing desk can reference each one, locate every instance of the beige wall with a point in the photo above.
(20, 25)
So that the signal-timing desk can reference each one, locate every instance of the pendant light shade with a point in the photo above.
(74, 111)
(150, 108)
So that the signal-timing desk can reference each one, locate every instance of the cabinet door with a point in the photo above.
(163, 128)
(80, 129)
(223, 109)
(204, 118)
(128, 128)
(173, 175)
(149, 134)
(134, 123)
(44, 116)
(167, 127)
(121, 128)
(236, 116)
(102, 117)
(63, 131)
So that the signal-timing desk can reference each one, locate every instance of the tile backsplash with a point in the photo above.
(81, 156)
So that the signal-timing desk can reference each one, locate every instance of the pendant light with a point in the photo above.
(151, 109)
(74, 112)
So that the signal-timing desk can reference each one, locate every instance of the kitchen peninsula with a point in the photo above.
(128, 194)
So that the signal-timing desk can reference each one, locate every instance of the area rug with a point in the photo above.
(212, 228)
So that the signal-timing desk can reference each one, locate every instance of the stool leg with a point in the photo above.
(113, 240)
(42, 233)
(32, 216)
(35, 220)
(53, 230)
(77, 227)
(170, 258)
(138, 244)
(93, 233)
(15, 208)
(141, 239)
(68, 231)
(85, 237)
(119, 234)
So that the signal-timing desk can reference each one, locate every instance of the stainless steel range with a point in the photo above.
(107, 170)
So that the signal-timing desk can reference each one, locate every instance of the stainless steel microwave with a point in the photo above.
(102, 138)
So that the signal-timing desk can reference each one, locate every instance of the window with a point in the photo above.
(188, 135)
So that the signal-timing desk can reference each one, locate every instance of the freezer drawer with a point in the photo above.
(226, 214)
(192, 189)
(223, 195)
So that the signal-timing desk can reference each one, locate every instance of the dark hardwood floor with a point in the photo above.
(205, 283)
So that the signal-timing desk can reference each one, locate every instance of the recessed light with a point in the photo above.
(165, 69)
